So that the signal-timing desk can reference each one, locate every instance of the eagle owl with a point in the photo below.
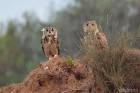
(49, 41)
(92, 34)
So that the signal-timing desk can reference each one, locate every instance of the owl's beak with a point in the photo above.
(43, 30)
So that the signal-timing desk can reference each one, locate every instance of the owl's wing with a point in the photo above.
(42, 43)
(102, 39)
(58, 47)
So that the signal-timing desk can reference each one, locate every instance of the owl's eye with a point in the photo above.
(47, 30)
(87, 24)
(52, 29)
(92, 24)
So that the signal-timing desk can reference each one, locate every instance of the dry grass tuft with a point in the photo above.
(113, 67)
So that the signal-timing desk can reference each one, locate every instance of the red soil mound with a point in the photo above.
(60, 77)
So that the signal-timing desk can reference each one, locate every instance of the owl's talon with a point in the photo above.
(50, 58)
(55, 56)
(46, 68)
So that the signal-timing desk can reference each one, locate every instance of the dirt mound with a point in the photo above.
(59, 77)
(63, 75)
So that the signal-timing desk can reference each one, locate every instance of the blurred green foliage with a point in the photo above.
(20, 48)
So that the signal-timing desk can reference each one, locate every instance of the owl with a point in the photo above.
(92, 35)
(49, 42)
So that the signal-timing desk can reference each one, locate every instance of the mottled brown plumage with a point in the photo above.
(49, 41)
(101, 41)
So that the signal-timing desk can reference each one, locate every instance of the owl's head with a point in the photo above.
(48, 31)
(90, 26)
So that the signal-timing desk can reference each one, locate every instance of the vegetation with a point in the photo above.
(112, 67)
(70, 61)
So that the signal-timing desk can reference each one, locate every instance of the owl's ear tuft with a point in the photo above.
(43, 30)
